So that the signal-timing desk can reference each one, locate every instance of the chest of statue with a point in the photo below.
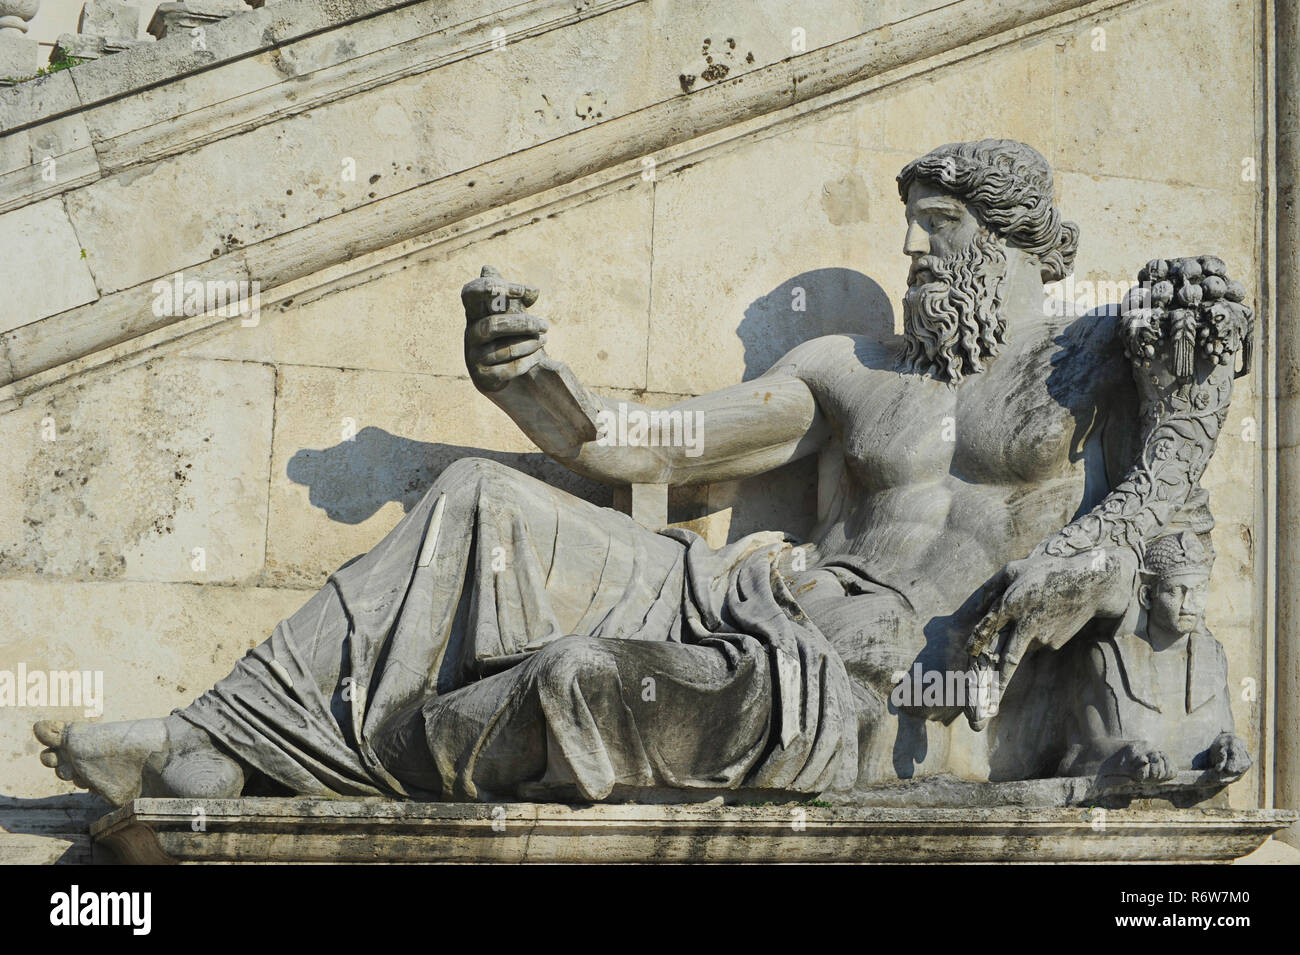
(1003, 426)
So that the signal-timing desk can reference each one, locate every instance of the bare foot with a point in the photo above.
(109, 759)
(122, 761)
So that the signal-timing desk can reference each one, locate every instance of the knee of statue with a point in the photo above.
(572, 661)
(468, 472)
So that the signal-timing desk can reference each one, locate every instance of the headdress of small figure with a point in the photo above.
(1177, 554)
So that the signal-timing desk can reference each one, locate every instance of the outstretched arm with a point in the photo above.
(741, 430)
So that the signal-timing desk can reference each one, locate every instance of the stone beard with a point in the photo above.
(952, 310)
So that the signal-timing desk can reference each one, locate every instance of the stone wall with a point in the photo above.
(202, 483)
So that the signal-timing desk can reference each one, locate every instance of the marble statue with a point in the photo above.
(989, 491)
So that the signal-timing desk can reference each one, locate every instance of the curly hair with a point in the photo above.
(1008, 185)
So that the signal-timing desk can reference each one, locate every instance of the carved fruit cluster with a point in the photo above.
(1182, 307)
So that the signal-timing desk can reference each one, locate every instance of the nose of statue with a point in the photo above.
(917, 241)
(1194, 602)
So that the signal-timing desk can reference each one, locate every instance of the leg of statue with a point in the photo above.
(585, 715)
(489, 567)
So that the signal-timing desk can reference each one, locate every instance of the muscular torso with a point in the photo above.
(938, 487)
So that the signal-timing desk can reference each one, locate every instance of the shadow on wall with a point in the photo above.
(354, 479)
(812, 304)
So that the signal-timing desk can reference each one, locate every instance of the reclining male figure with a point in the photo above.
(602, 658)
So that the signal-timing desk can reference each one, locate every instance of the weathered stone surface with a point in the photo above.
(1115, 73)
(824, 206)
(50, 831)
(156, 645)
(19, 55)
(955, 103)
(42, 269)
(344, 155)
(81, 46)
(123, 475)
(112, 19)
(301, 830)
(332, 498)
(409, 318)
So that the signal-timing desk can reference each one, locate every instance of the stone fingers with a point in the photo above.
(504, 325)
(496, 377)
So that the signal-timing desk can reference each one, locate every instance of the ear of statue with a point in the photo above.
(1144, 596)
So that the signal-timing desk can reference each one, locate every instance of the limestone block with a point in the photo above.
(819, 254)
(956, 102)
(124, 475)
(709, 43)
(48, 831)
(45, 95)
(44, 158)
(1247, 683)
(158, 831)
(157, 646)
(59, 152)
(110, 19)
(590, 260)
(19, 55)
(41, 270)
(1125, 222)
(1172, 68)
(80, 45)
(343, 155)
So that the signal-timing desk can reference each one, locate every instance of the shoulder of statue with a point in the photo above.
(829, 354)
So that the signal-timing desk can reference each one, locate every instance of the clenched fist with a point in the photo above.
(502, 341)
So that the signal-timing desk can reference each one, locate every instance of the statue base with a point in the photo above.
(296, 830)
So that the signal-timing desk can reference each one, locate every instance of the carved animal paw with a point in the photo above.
(1141, 761)
(1228, 756)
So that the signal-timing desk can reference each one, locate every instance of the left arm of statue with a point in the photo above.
(1182, 363)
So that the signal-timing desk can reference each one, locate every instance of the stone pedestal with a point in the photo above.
(162, 831)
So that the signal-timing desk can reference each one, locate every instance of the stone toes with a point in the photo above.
(63, 771)
(50, 732)
(49, 758)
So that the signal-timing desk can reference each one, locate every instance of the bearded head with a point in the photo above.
(986, 196)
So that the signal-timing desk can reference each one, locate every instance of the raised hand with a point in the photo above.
(502, 341)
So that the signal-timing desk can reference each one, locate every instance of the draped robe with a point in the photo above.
(507, 634)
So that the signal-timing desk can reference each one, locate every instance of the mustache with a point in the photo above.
(925, 269)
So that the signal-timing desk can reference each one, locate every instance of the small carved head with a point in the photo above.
(1175, 582)
(1003, 185)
